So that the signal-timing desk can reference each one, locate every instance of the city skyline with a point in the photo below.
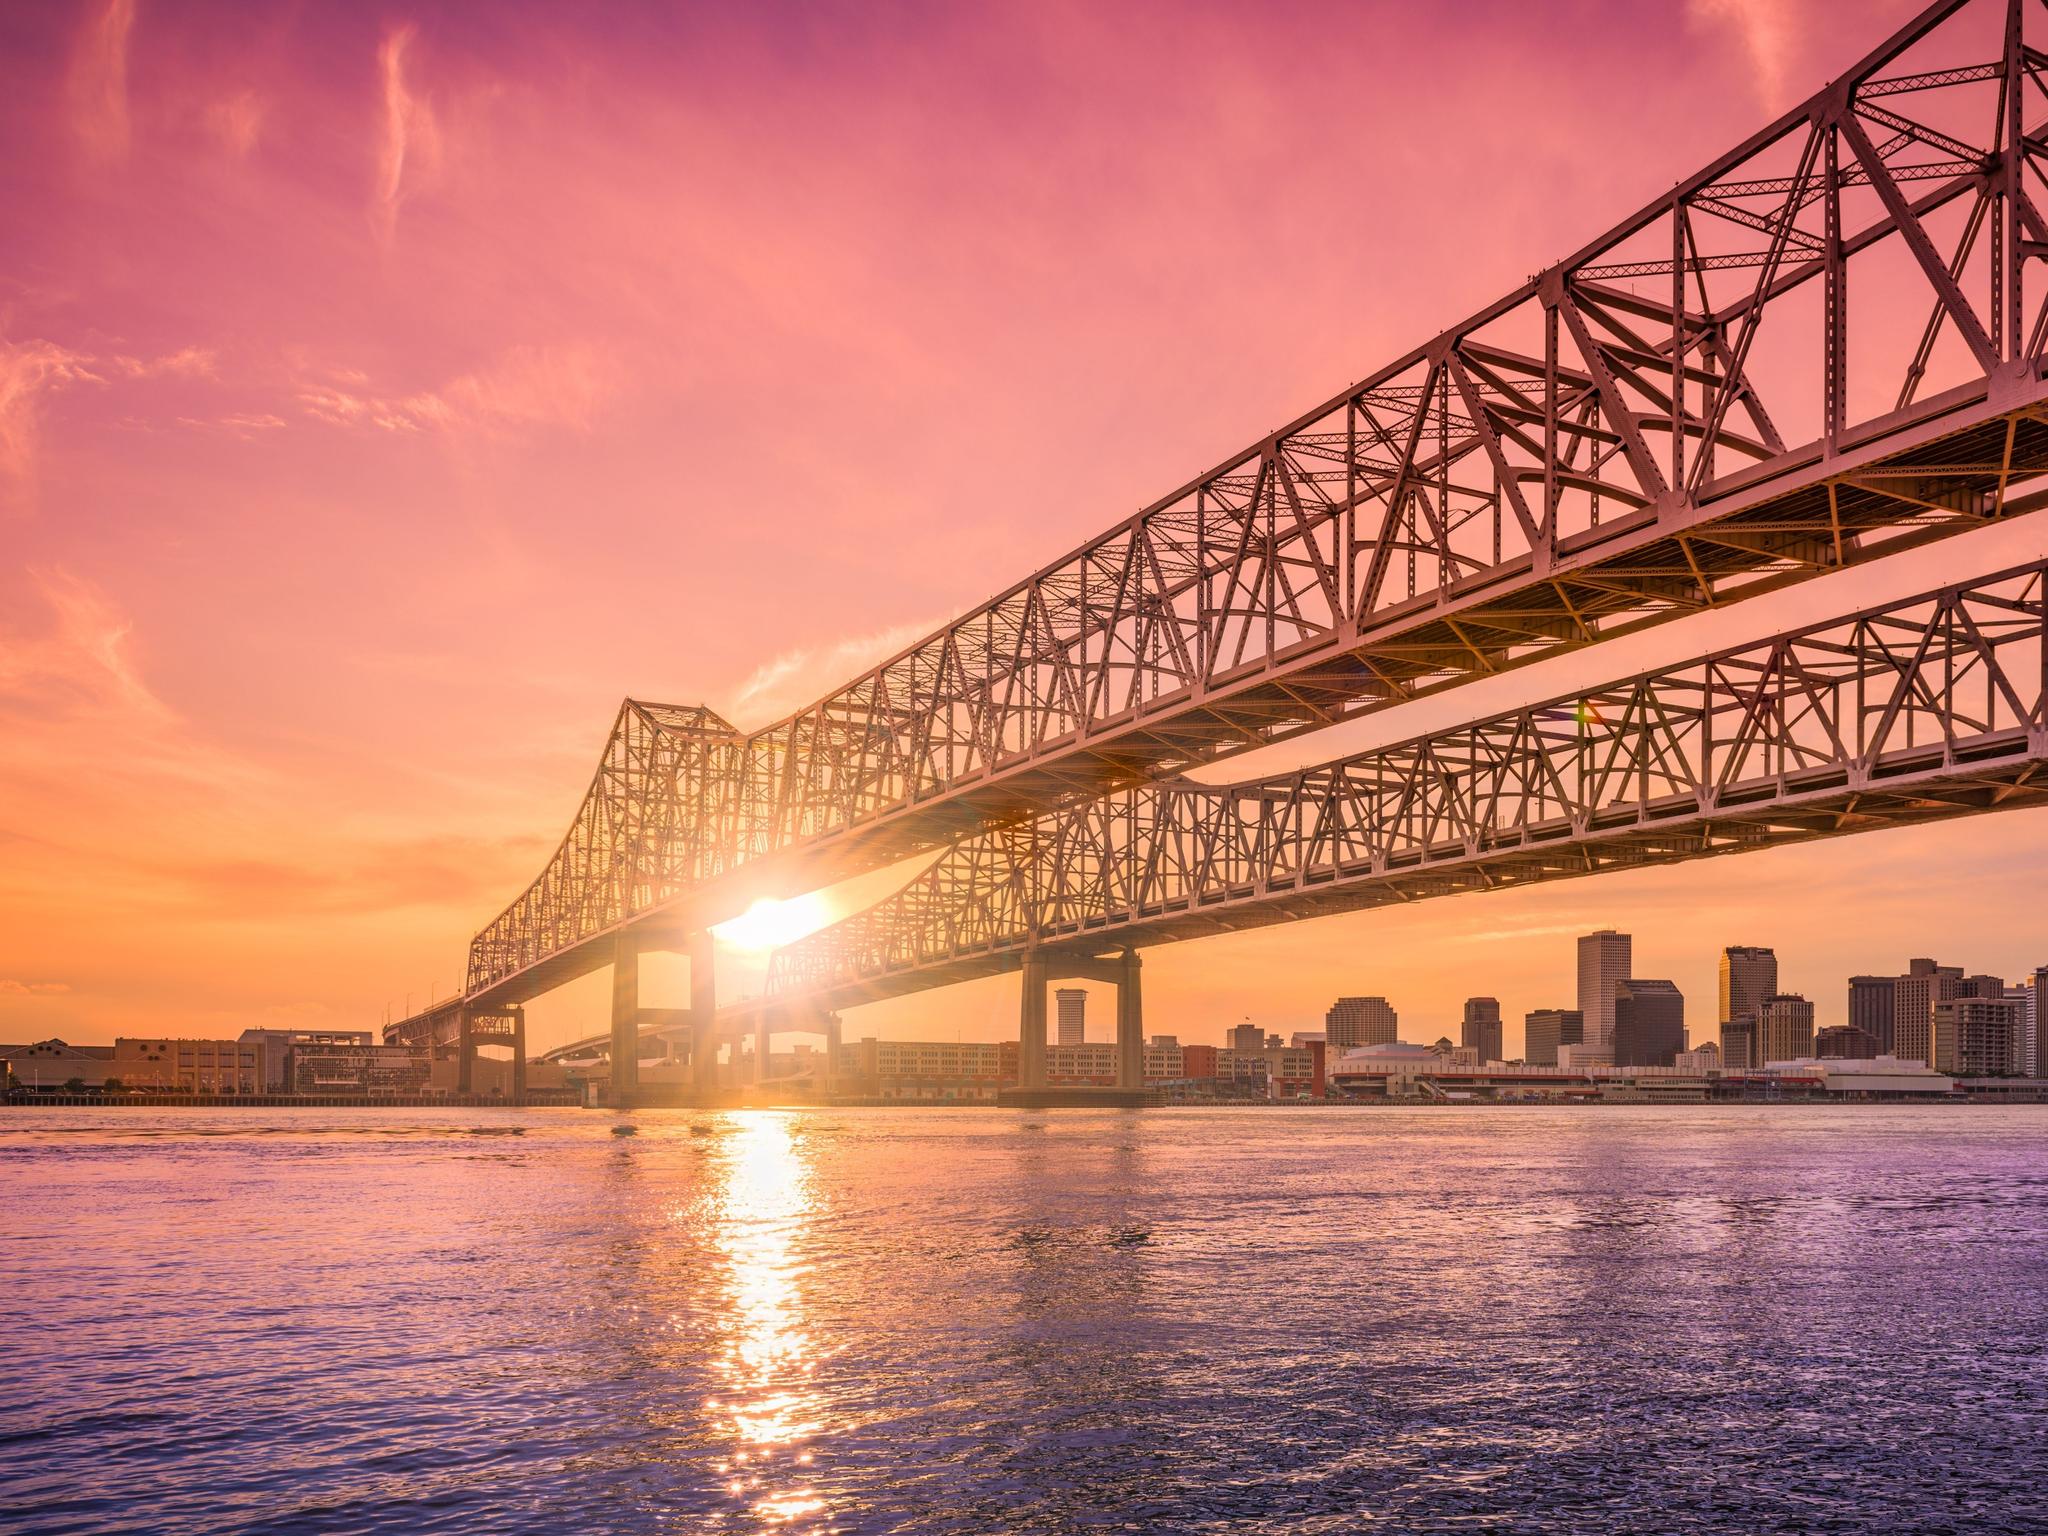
(1825, 1000)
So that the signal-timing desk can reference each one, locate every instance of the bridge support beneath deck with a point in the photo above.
(490, 1026)
(703, 1014)
(625, 1052)
(790, 1019)
(629, 1018)
(1043, 967)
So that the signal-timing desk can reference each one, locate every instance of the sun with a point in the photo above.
(770, 924)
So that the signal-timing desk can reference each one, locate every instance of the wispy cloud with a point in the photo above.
(185, 363)
(32, 370)
(10, 988)
(99, 80)
(561, 386)
(526, 386)
(71, 684)
(1766, 30)
(81, 661)
(249, 423)
(237, 121)
(28, 371)
(409, 140)
(394, 873)
(788, 682)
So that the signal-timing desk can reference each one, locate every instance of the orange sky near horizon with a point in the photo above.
(385, 392)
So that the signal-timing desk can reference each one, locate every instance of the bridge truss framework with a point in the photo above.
(1703, 403)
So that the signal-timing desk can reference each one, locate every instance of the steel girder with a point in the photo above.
(1686, 410)
(1921, 709)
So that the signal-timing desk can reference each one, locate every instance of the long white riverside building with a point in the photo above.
(1400, 1070)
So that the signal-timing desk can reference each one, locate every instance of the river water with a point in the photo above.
(1744, 1319)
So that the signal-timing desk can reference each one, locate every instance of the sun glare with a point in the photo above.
(769, 924)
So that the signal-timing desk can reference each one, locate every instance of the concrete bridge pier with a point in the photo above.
(703, 1013)
(628, 1017)
(1031, 1025)
(625, 1052)
(492, 1026)
(1130, 1027)
(465, 1050)
(1122, 971)
(813, 1020)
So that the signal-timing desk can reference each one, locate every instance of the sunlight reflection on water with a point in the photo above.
(945, 1323)
(769, 1362)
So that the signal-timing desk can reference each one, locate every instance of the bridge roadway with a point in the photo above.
(1665, 420)
(1917, 710)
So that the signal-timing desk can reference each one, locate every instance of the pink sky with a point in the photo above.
(386, 391)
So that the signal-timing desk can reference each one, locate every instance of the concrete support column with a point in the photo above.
(762, 1042)
(1130, 1026)
(1031, 1025)
(831, 1052)
(625, 1020)
(518, 1055)
(703, 1056)
(465, 1051)
(703, 1014)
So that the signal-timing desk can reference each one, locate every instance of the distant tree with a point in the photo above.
(74, 1085)
(112, 1085)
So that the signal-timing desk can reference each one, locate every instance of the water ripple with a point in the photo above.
(1740, 1319)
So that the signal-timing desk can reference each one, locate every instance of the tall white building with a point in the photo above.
(1605, 961)
(1073, 1016)
(2034, 1026)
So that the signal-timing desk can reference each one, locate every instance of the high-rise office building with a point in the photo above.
(1784, 1029)
(1482, 1031)
(1605, 960)
(1649, 1023)
(1870, 1007)
(1740, 1047)
(1355, 1021)
(1913, 998)
(1847, 1042)
(2021, 995)
(1248, 1040)
(1073, 1018)
(1976, 1036)
(1749, 974)
(2035, 1056)
(1546, 1029)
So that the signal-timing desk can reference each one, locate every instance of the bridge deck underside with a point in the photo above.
(2011, 774)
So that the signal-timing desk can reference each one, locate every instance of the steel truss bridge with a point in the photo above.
(1825, 346)
(1919, 710)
